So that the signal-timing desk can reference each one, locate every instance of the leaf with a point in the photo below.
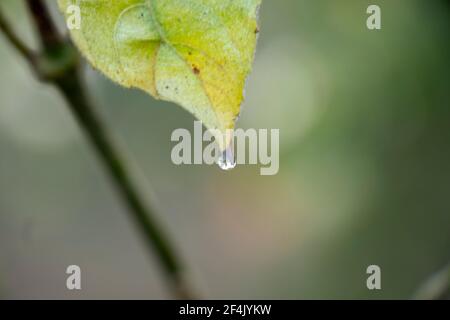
(196, 53)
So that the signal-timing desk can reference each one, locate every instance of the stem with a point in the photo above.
(14, 40)
(47, 31)
(58, 65)
(436, 287)
(72, 89)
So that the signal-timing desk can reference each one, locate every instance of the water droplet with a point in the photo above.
(226, 160)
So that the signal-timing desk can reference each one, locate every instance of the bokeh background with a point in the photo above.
(364, 177)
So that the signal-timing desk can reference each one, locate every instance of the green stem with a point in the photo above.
(74, 93)
(58, 65)
(14, 40)
(436, 287)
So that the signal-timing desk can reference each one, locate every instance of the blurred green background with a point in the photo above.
(364, 118)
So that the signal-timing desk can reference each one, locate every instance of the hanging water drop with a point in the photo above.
(226, 159)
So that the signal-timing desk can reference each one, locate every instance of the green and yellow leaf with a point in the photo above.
(196, 53)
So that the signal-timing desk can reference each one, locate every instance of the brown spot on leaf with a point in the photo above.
(196, 70)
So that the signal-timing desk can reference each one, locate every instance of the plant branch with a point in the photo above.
(74, 93)
(58, 64)
(5, 28)
(48, 34)
(436, 287)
